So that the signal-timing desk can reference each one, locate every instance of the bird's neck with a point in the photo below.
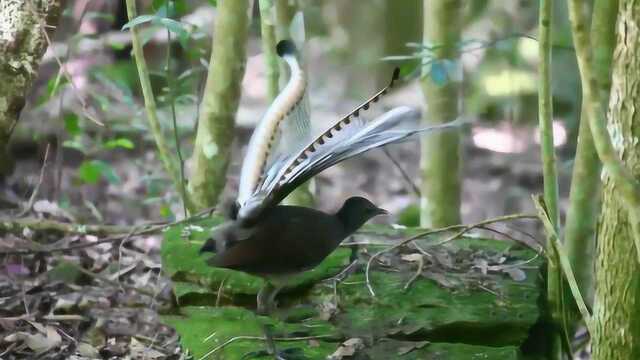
(350, 222)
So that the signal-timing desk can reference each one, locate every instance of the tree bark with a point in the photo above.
(545, 121)
(617, 297)
(585, 195)
(22, 43)
(440, 160)
(215, 133)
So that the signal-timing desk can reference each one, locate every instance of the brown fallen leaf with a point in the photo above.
(347, 348)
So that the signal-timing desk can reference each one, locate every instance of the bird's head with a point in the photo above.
(356, 211)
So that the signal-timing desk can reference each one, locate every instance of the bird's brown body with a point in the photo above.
(286, 239)
(289, 239)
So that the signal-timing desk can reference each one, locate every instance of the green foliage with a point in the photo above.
(119, 142)
(91, 171)
(174, 26)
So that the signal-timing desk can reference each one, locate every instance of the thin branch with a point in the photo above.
(416, 275)
(112, 282)
(559, 256)
(65, 72)
(117, 233)
(465, 228)
(172, 102)
(404, 174)
(151, 108)
(34, 194)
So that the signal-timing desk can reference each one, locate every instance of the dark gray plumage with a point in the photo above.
(286, 240)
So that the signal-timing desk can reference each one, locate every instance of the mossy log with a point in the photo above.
(473, 298)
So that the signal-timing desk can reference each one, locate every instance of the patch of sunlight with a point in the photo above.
(510, 82)
(528, 49)
(559, 134)
(501, 140)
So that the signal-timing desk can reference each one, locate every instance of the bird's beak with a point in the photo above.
(382, 212)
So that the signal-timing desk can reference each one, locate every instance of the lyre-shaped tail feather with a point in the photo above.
(289, 104)
(351, 135)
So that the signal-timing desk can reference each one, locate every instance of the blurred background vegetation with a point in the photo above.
(351, 49)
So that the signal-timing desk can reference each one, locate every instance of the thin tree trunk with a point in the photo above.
(440, 160)
(269, 41)
(22, 44)
(545, 118)
(617, 296)
(215, 132)
(585, 195)
(170, 162)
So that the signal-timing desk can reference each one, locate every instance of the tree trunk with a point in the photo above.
(440, 160)
(22, 44)
(216, 121)
(585, 195)
(617, 297)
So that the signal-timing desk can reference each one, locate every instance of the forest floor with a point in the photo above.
(68, 295)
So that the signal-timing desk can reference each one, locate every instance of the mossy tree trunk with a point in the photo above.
(216, 121)
(549, 171)
(22, 44)
(585, 195)
(617, 296)
(440, 160)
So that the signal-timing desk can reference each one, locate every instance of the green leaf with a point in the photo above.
(213, 3)
(177, 28)
(91, 171)
(178, 7)
(71, 124)
(165, 211)
(119, 142)
(108, 172)
(53, 87)
(74, 144)
(139, 20)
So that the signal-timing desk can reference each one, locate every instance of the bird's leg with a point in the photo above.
(268, 336)
(264, 297)
(272, 296)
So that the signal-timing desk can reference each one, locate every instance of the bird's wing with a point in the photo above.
(282, 130)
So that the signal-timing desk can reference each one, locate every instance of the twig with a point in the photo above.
(561, 257)
(111, 282)
(237, 338)
(465, 228)
(416, 274)
(404, 174)
(151, 108)
(65, 72)
(68, 317)
(118, 233)
(172, 101)
(220, 291)
(34, 194)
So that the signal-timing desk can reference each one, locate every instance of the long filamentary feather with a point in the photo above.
(352, 135)
(338, 126)
(265, 134)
